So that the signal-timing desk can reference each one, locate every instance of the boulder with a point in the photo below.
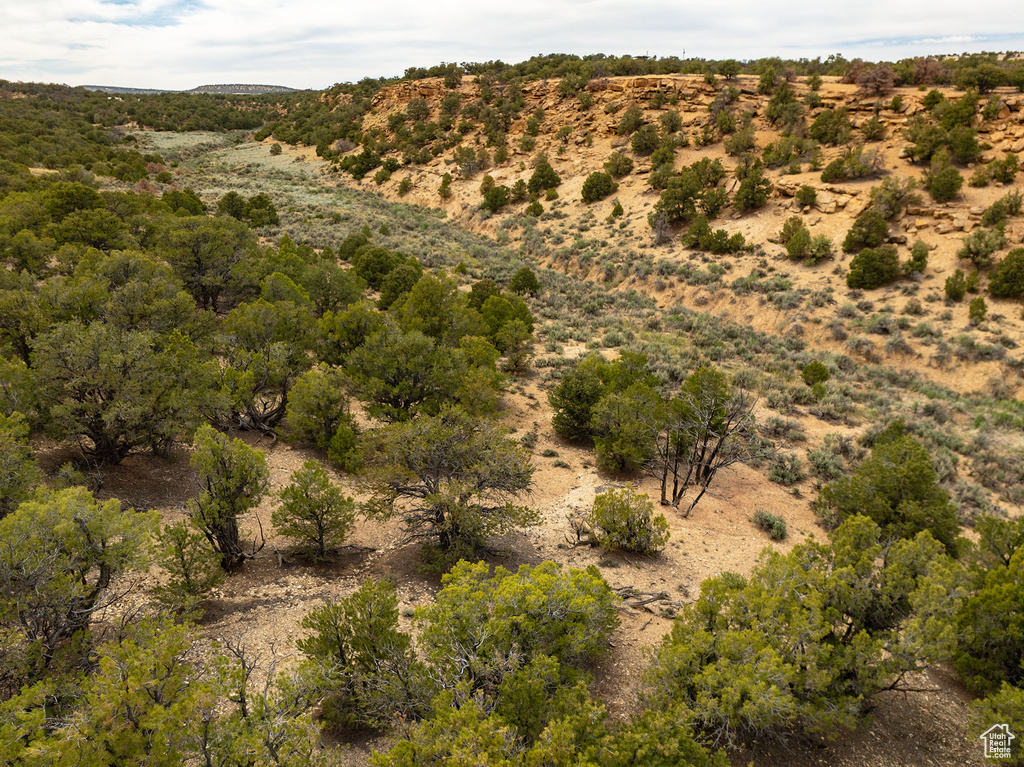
(787, 186)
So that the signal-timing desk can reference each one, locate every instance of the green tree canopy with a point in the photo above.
(118, 389)
(452, 478)
(898, 488)
(61, 552)
(314, 511)
(233, 478)
(806, 641)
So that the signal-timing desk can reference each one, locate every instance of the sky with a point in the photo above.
(180, 44)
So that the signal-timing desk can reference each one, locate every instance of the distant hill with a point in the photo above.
(224, 90)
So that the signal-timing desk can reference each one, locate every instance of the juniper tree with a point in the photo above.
(314, 511)
(452, 478)
(233, 478)
(706, 429)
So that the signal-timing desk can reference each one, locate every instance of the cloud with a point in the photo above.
(315, 43)
(946, 40)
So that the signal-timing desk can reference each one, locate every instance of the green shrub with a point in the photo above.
(645, 140)
(785, 469)
(544, 177)
(574, 399)
(990, 643)
(874, 129)
(618, 164)
(979, 246)
(194, 570)
(519, 191)
(597, 186)
(943, 181)
(478, 619)
(313, 511)
(873, 268)
(796, 238)
(630, 121)
(851, 165)
(821, 249)
(623, 519)
(785, 151)
(852, 595)
(976, 311)
(893, 196)
(445, 190)
(980, 177)
(918, 259)
(834, 171)
(831, 127)
(740, 142)
(869, 230)
(364, 665)
(343, 449)
(1007, 280)
(712, 201)
(774, 525)
(725, 121)
(621, 427)
(1005, 707)
(317, 404)
(956, 286)
(898, 488)
(806, 195)
(260, 211)
(753, 190)
(524, 282)
(19, 472)
(814, 372)
(671, 122)
(701, 236)
(799, 245)
(1001, 209)
(663, 159)
(496, 198)
(1004, 170)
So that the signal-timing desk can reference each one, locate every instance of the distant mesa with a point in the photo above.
(236, 89)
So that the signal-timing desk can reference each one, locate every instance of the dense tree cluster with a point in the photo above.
(683, 439)
(836, 624)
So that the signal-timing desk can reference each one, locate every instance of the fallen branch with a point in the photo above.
(639, 600)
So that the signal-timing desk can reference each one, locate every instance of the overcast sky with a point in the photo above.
(179, 44)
